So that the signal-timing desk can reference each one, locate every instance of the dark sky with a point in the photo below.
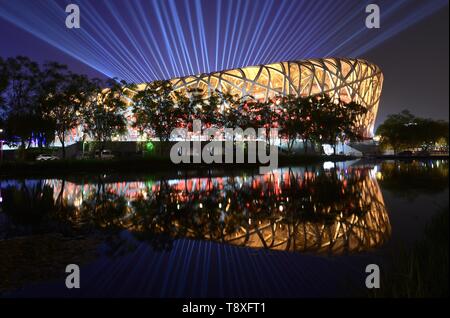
(16, 41)
(415, 64)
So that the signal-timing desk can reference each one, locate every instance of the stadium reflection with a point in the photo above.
(294, 209)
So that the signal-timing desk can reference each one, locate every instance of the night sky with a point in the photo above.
(415, 66)
(411, 47)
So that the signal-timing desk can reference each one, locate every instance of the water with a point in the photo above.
(303, 231)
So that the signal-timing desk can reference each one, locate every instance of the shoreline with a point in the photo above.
(160, 165)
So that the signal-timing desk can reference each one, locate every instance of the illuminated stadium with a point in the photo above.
(348, 79)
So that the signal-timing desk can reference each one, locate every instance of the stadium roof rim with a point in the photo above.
(316, 59)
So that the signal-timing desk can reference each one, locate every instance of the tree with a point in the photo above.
(442, 129)
(305, 125)
(210, 114)
(352, 112)
(237, 112)
(295, 120)
(21, 88)
(64, 96)
(4, 79)
(103, 116)
(189, 106)
(405, 131)
(231, 110)
(289, 118)
(335, 120)
(395, 131)
(327, 120)
(155, 110)
(24, 121)
(264, 114)
(429, 132)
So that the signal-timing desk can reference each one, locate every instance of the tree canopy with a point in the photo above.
(405, 131)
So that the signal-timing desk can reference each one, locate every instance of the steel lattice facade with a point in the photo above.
(348, 79)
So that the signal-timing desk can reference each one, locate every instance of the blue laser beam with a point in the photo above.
(143, 40)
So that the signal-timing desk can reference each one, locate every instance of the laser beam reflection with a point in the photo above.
(143, 40)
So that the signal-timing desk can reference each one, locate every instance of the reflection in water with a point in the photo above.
(42, 257)
(116, 226)
(412, 178)
(292, 209)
